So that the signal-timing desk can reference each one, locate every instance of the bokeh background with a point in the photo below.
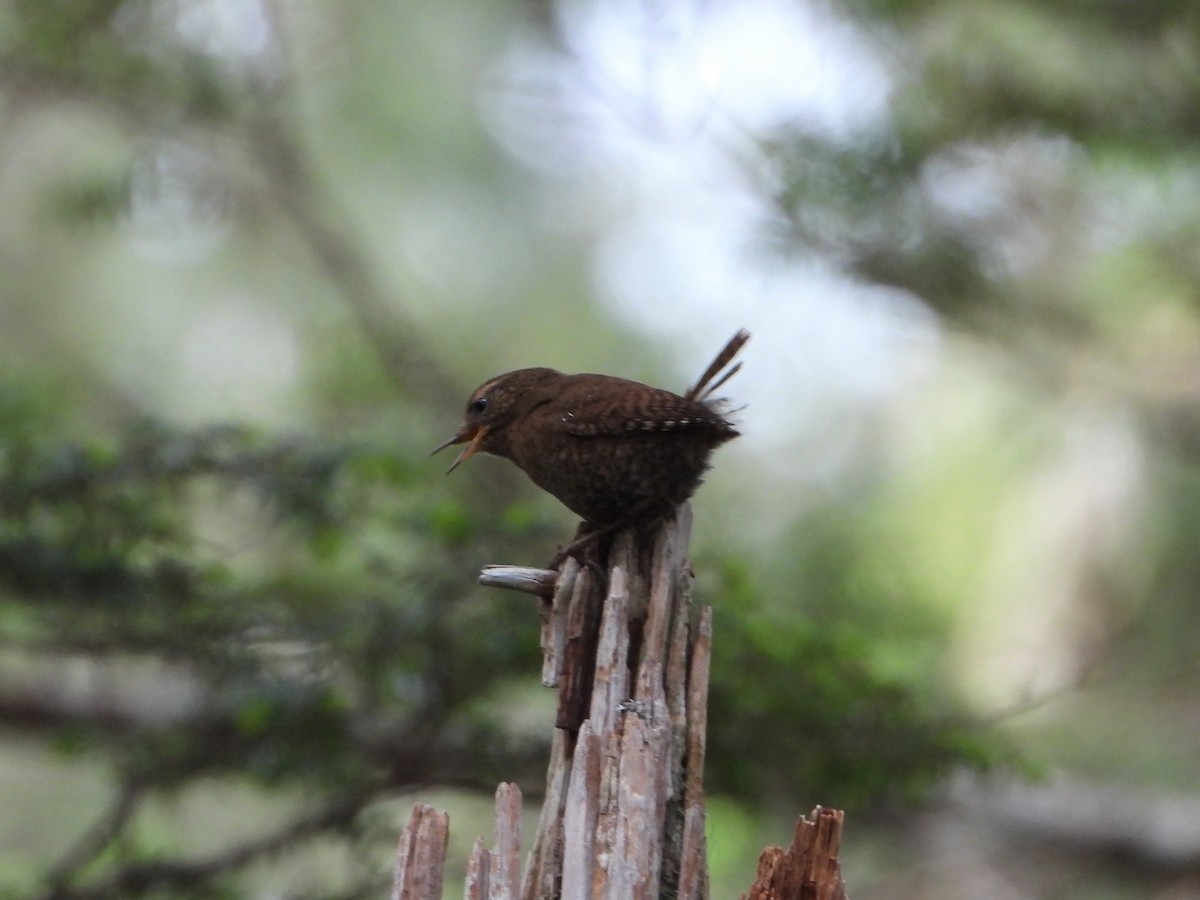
(255, 254)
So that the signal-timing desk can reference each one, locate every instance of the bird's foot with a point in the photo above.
(577, 548)
(586, 546)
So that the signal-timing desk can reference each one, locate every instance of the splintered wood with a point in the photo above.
(809, 868)
(619, 820)
(496, 874)
(420, 855)
(623, 816)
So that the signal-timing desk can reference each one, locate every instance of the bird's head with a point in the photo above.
(494, 405)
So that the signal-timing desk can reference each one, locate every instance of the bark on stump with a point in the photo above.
(623, 817)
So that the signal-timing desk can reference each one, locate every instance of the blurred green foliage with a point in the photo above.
(802, 706)
(317, 636)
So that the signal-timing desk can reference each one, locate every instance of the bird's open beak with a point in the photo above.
(472, 433)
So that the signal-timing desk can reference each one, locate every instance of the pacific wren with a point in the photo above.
(613, 451)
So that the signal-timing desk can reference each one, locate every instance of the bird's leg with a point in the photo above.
(587, 535)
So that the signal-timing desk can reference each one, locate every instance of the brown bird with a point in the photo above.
(613, 451)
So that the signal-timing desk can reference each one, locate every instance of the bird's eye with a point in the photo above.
(478, 405)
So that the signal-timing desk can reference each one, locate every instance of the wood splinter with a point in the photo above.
(526, 579)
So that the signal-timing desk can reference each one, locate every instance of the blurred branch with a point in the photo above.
(380, 321)
(297, 192)
(99, 837)
(139, 878)
(416, 748)
(208, 97)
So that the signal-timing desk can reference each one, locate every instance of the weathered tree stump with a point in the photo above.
(623, 816)
(629, 658)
